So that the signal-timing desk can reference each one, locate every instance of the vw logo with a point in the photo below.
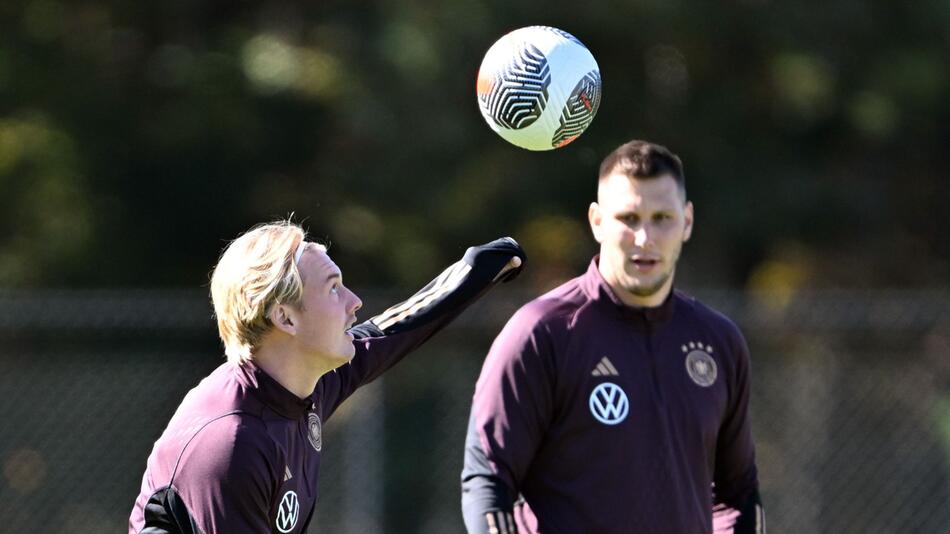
(609, 403)
(288, 512)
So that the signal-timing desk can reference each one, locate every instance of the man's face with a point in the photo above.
(641, 226)
(327, 309)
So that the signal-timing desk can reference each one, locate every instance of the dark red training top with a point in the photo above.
(242, 453)
(610, 419)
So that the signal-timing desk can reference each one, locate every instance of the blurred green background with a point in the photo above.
(136, 139)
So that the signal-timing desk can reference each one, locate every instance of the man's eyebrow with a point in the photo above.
(331, 276)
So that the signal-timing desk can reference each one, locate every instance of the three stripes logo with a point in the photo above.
(501, 522)
(288, 512)
(517, 93)
(579, 110)
(450, 279)
(608, 403)
(605, 368)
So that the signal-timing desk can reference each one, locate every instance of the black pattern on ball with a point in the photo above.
(520, 91)
(579, 110)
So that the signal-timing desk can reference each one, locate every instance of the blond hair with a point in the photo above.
(256, 272)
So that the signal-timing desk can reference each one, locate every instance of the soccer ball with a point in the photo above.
(538, 87)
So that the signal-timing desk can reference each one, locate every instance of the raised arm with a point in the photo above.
(385, 339)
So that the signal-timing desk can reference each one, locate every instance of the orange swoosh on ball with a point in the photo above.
(566, 141)
(484, 84)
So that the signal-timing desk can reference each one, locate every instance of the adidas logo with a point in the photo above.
(605, 368)
(287, 475)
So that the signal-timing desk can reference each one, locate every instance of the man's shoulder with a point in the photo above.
(217, 413)
(702, 310)
(230, 445)
(237, 435)
(222, 391)
(558, 304)
(705, 313)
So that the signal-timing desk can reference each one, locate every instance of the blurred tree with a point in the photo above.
(136, 139)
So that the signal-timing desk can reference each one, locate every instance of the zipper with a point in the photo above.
(651, 354)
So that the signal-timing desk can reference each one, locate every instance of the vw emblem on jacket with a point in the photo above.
(609, 404)
(287, 512)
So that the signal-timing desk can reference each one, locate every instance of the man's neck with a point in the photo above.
(289, 369)
(635, 301)
(638, 301)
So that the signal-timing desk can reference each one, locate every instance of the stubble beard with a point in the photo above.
(642, 290)
(652, 289)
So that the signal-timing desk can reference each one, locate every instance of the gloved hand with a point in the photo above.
(503, 256)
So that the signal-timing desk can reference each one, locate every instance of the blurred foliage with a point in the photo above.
(136, 138)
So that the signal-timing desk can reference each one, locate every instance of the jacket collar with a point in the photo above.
(276, 396)
(598, 291)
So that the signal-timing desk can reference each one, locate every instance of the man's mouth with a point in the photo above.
(644, 264)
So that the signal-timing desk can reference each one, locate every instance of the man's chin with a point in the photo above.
(343, 358)
(642, 293)
(645, 289)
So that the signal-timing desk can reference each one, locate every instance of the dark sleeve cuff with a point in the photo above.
(486, 507)
(751, 515)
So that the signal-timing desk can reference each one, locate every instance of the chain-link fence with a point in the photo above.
(851, 411)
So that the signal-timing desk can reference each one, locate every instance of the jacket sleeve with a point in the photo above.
(511, 411)
(385, 339)
(486, 498)
(737, 507)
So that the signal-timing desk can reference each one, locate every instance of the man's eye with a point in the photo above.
(335, 288)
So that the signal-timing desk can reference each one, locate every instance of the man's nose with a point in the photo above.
(640, 237)
(357, 303)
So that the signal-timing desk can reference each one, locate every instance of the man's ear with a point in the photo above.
(595, 217)
(281, 316)
(688, 219)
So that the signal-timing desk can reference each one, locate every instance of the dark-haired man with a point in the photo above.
(614, 404)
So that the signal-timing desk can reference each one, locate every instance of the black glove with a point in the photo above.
(496, 257)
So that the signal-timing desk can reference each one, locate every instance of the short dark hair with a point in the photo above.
(642, 159)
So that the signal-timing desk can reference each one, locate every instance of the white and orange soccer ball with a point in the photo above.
(539, 87)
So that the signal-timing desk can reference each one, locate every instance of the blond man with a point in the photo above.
(242, 452)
